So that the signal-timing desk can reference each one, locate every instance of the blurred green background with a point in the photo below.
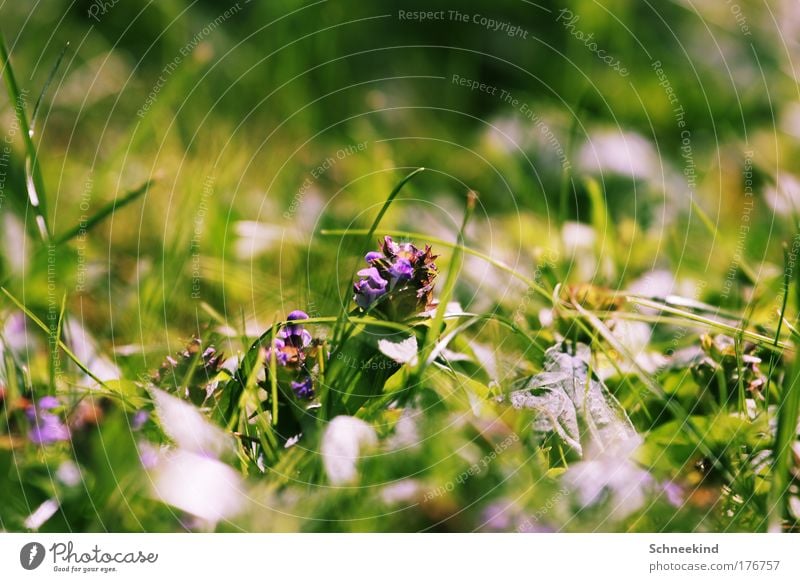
(256, 100)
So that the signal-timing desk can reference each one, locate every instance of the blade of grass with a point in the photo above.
(55, 336)
(685, 302)
(46, 86)
(273, 377)
(712, 229)
(766, 341)
(213, 313)
(738, 344)
(741, 395)
(786, 434)
(104, 212)
(33, 174)
(792, 329)
(602, 225)
(566, 168)
(457, 260)
(445, 340)
(392, 195)
(787, 278)
(788, 410)
(69, 353)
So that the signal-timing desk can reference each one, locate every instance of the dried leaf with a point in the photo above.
(572, 404)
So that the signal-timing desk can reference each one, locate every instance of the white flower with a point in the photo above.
(344, 440)
(619, 152)
(204, 487)
(612, 478)
(784, 199)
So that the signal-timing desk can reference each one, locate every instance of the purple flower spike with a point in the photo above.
(295, 351)
(289, 346)
(304, 388)
(403, 271)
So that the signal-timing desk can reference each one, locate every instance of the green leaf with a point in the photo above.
(359, 369)
(128, 391)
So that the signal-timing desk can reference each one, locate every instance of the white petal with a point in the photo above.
(402, 352)
(199, 485)
(42, 513)
(190, 430)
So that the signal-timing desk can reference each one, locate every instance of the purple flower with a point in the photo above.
(148, 455)
(673, 493)
(46, 427)
(402, 270)
(47, 403)
(281, 355)
(48, 430)
(304, 388)
(373, 278)
(295, 334)
(291, 350)
(297, 315)
(369, 289)
(389, 247)
(139, 419)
